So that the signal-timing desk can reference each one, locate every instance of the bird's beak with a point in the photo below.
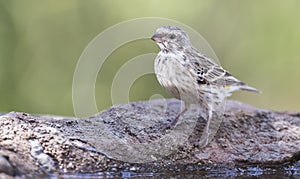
(157, 38)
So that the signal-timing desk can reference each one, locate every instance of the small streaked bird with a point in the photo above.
(189, 75)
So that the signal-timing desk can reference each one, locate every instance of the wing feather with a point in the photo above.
(206, 71)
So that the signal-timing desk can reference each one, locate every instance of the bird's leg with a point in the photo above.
(204, 140)
(212, 125)
(175, 121)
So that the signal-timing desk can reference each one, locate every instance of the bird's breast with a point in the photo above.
(172, 74)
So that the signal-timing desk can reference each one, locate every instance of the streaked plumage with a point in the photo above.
(189, 75)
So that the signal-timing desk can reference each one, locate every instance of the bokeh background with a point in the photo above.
(41, 41)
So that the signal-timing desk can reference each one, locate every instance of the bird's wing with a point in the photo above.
(204, 69)
(208, 72)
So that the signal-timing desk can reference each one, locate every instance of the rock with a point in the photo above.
(134, 136)
(5, 165)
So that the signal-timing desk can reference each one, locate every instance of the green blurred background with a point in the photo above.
(41, 41)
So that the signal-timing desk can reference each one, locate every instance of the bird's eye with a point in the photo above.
(172, 36)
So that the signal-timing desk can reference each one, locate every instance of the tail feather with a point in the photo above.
(249, 88)
(233, 84)
(231, 89)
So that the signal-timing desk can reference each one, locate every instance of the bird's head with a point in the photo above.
(171, 38)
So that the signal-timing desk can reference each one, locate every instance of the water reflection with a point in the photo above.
(198, 171)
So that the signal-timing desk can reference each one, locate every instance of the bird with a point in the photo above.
(189, 75)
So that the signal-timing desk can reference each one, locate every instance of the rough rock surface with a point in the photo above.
(133, 136)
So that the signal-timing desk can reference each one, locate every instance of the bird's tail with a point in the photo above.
(230, 89)
(249, 88)
(232, 84)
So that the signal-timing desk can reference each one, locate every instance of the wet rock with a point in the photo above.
(134, 136)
